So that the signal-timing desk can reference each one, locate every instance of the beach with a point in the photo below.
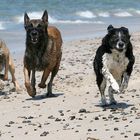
(76, 112)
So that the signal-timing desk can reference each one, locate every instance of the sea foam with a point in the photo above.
(2, 26)
(34, 15)
(104, 14)
(86, 14)
(122, 14)
(52, 20)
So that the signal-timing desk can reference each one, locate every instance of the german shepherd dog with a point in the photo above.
(6, 64)
(114, 62)
(43, 52)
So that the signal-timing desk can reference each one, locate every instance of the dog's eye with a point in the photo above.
(114, 36)
(39, 26)
(114, 39)
(125, 39)
(30, 26)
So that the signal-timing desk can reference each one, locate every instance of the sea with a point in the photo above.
(75, 18)
(67, 12)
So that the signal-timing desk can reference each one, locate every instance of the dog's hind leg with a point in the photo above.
(127, 73)
(101, 82)
(53, 74)
(6, 68)
(33, 81)
(49, 93)
(12, 71)
(44, 78)
(124, 83)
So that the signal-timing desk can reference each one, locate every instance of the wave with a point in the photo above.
(73, 21)
(86, 14)
(80, 22)
(52, 20)
(123, 14)
(33, 15)
(104, 14)
(90, 15)
(2, 26)
(137, 11)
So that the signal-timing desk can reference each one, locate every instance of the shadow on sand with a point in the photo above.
(41, 97)
(2, 93)
(116, 106)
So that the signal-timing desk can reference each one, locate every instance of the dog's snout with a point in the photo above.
(121, 44)
(34, 33)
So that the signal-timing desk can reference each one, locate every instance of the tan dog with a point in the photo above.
(43, 52)
(7, 64)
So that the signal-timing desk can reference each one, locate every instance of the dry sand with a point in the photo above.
(76, 113)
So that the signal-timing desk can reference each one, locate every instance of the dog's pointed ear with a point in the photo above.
(26, 19)
(109, 28)
(45, 17)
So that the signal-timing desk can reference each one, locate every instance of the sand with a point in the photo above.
(76, 112)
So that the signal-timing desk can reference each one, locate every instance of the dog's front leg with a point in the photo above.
(33, 81)
(6, 67)
(12, 71)
(110, 79)
(28, 85)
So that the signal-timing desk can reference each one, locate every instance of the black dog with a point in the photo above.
(114, 62)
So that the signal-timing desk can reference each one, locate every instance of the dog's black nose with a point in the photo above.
(34, 33)
(121, 44)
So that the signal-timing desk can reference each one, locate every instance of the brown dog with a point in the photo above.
(6, 63)
(43, 52)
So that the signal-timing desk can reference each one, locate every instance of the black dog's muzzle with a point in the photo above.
(34, 36)
(120, 46)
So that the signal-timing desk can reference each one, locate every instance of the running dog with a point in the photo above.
(6, 64)
(43, 52)
(114, 62)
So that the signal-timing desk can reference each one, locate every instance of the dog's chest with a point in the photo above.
(115, 62)
(39, 60)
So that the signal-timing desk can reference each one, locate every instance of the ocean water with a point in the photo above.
(66, 12)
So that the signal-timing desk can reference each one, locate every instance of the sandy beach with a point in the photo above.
(76, 112)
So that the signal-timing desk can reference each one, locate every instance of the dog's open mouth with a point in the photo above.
(120, 49)
(34, 40)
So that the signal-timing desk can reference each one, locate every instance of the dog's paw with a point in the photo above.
(17, 87)
(5, 78)
(123, 87)
(103, 102)
(115, 87)
(18, 90)
(113, 102)
(42, 85)
(30, 90)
